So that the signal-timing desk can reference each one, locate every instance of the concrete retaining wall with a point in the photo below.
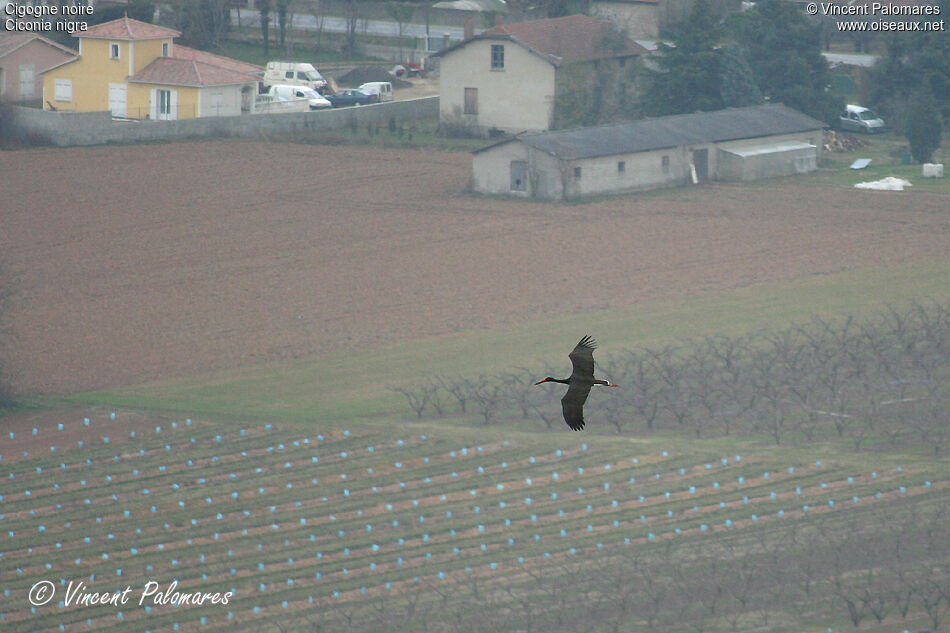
(64, 129)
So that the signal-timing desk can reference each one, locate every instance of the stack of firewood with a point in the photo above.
(841, 141)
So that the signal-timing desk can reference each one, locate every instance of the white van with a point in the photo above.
(290, 93)
(382, 88)
(293, 74)
(857, 118)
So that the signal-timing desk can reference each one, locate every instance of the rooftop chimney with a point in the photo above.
(469, 29)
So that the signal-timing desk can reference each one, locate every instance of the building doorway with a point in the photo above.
(701, 164)
(519, 175)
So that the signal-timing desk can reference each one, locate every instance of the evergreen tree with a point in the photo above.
(203, 22)
(917, 61)
(687, 73)
(142, 10)
(924, 127)
(737, 85)
(784, 52)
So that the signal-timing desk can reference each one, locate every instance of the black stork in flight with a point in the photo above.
(579, 384)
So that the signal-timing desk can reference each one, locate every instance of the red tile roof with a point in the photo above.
(12, 40)
(189, 72)
(125, 28)
(184, 52)
(572, 38)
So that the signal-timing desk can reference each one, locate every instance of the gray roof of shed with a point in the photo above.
(671, 131)
(473, 5)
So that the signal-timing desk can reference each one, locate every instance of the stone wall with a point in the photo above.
(64, 129)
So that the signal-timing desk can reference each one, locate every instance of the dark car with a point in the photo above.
(351, 96)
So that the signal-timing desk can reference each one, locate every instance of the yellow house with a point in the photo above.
(136, 70)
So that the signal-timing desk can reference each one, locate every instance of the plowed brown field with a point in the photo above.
(143, 262)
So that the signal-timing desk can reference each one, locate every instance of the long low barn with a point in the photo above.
(737, 144)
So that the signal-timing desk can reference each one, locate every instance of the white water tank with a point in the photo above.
(933, 170)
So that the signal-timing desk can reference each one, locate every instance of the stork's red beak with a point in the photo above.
(541, 381)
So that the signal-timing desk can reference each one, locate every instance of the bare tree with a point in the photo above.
(264, 7)
(881, 379)
(487, 396)
(283, 9)
(519, 388)
(401, 14)
(417, 399)
(352, 17)
(646, 388)
(320, 21)
(434, 391)
(459, 388)
(526, 604)
(620, 594)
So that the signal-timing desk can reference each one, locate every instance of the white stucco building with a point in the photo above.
(736, 144)
(507, 78)
(644, 19)
(639, 19)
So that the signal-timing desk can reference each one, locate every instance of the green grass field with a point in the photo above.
(886, 152)
(356, 386)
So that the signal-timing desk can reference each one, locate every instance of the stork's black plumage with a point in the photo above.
(579, 383)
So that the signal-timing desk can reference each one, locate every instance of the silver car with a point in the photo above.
(857, 118)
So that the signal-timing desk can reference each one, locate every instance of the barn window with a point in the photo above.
(621, 166)
(471, 101)
(114, 50)
(577, 173)
(63, 90)
(665, 162)
(498, 57)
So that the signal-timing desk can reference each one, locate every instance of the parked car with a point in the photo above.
(351, 96)
(857, 118)
(289, 93)
(294, 74)
(383, 89)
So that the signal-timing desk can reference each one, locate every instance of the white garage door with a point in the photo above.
(117, 99)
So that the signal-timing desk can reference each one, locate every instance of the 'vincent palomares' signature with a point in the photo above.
(77, 594)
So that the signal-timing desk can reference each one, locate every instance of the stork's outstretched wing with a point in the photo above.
(573, 405)
(582, 357)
